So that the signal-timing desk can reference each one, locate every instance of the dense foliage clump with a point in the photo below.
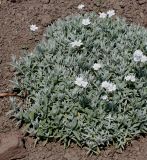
(86, 82)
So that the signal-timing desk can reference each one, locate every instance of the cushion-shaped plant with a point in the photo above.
(86, 82)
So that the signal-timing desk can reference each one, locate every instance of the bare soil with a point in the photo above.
(15, 18)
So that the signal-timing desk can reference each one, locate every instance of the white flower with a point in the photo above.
(97, 66)
(84, 84)
(80, 82)
(137, 55)
(111, 88)
(33, 27)
(111, 13)
(105, 97)
(108, 86)
(103, 15)
(76, 43)
(143, 58)
(86, 22)
(105, 84)
(130, 78)
(81, 6)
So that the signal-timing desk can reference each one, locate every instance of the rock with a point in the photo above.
(12, 69)
(11, 146)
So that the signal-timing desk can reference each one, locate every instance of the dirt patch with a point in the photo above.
(15, 37)
(133, 10)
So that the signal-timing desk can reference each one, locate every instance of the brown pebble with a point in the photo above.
(11, 146)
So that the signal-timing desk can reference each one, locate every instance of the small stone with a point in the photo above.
(11, 146)
(12, 69)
